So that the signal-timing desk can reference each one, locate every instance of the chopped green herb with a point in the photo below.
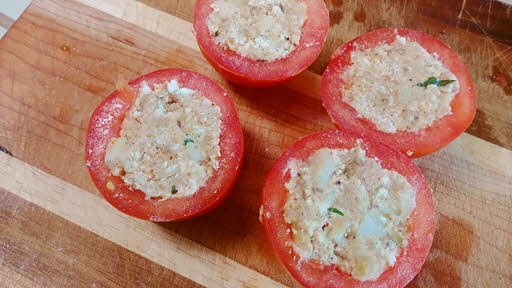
(434, 81)
(444, 82)
(217, 33)
(174, 190)
(334, 210)
(429, 81)
(187, 140)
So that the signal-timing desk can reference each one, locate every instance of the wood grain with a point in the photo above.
(479, 31)
(490, 18)
(91, 212)
(62, 58)
(36, 253)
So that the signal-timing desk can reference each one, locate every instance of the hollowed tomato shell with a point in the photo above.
(254, 73)
(105, 124)
(415, 144)
(311, 273)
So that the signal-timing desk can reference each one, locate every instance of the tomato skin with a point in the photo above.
(426, 140)
(105, 124)
(313, 274)
(241, 79)
(254, 73)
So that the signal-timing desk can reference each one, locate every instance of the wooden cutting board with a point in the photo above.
(61, 58)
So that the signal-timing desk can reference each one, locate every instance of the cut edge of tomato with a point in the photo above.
(105, 124)
(414, 144)
(254, 73)
(310, 273)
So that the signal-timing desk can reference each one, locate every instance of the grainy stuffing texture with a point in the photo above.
(258, 29)
(382, 86)
(375, 203)
(169, 142)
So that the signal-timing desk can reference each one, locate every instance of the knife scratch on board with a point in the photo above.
(461, 10)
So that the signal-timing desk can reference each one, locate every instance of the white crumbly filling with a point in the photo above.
(169, 142)
(381, 86)
(258, 29)
(376, 204)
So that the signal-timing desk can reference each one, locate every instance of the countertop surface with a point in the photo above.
(10, 11)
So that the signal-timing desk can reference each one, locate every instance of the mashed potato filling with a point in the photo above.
(258, 29)
(169, 142)
(345, 209)
(387, 85)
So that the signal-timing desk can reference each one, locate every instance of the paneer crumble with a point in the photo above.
(345, 209)
(169, 142)
(399, 86)
(258, 29)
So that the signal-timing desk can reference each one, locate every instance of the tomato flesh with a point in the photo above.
(105, 124)
(311, 273)
(255, 73)
(414, 144)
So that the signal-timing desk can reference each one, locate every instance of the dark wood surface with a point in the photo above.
(40, 249)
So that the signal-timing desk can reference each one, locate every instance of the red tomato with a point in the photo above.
(311, 273)
(426, 140)
(105, 124)
(255, 73)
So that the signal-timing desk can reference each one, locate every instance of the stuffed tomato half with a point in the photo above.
(401, 87)
(345, 211)
(167, 146)
(260, 43)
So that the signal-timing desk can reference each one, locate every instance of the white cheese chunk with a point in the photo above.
(258, 29)
(169, 142)
(323, 168)
(173, 86)
(376, 204)
(381, 85)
